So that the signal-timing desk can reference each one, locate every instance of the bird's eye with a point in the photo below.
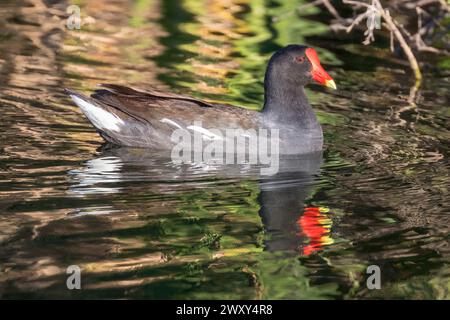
(300, 58)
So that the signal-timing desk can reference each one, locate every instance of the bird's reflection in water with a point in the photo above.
(315, 225)
(105, 169)
(289, 223)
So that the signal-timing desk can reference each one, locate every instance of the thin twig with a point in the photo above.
(398, 32)
(357, 4)
(356, 22)
(398, 35)
(331, 9)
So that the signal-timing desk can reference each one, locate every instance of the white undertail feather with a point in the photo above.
(99, 117)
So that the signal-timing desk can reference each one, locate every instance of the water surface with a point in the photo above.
(140, 226)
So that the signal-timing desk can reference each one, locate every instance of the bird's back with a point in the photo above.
(135, 118)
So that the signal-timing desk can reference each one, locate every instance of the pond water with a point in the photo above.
(139, 226)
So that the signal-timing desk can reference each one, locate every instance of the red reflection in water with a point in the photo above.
(316, 226)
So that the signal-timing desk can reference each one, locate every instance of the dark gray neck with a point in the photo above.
(287, 104)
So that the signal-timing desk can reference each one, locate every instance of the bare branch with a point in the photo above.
(356, 4)
(398, 35)
(356, 22)
(331, 9)
(374, 12)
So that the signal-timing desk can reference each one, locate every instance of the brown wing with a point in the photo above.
(152, 106)
(148, 118)
(130, 92)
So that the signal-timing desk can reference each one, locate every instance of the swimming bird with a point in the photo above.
(148, 118)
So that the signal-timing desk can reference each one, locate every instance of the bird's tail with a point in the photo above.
(103, 120)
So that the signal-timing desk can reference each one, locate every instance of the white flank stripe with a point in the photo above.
(171, 122)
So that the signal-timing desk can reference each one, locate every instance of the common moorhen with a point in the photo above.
(137, 118)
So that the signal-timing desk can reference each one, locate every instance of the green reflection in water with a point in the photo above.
(222, 48)
(137, 233)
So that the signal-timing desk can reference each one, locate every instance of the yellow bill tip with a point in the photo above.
(330, 84)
